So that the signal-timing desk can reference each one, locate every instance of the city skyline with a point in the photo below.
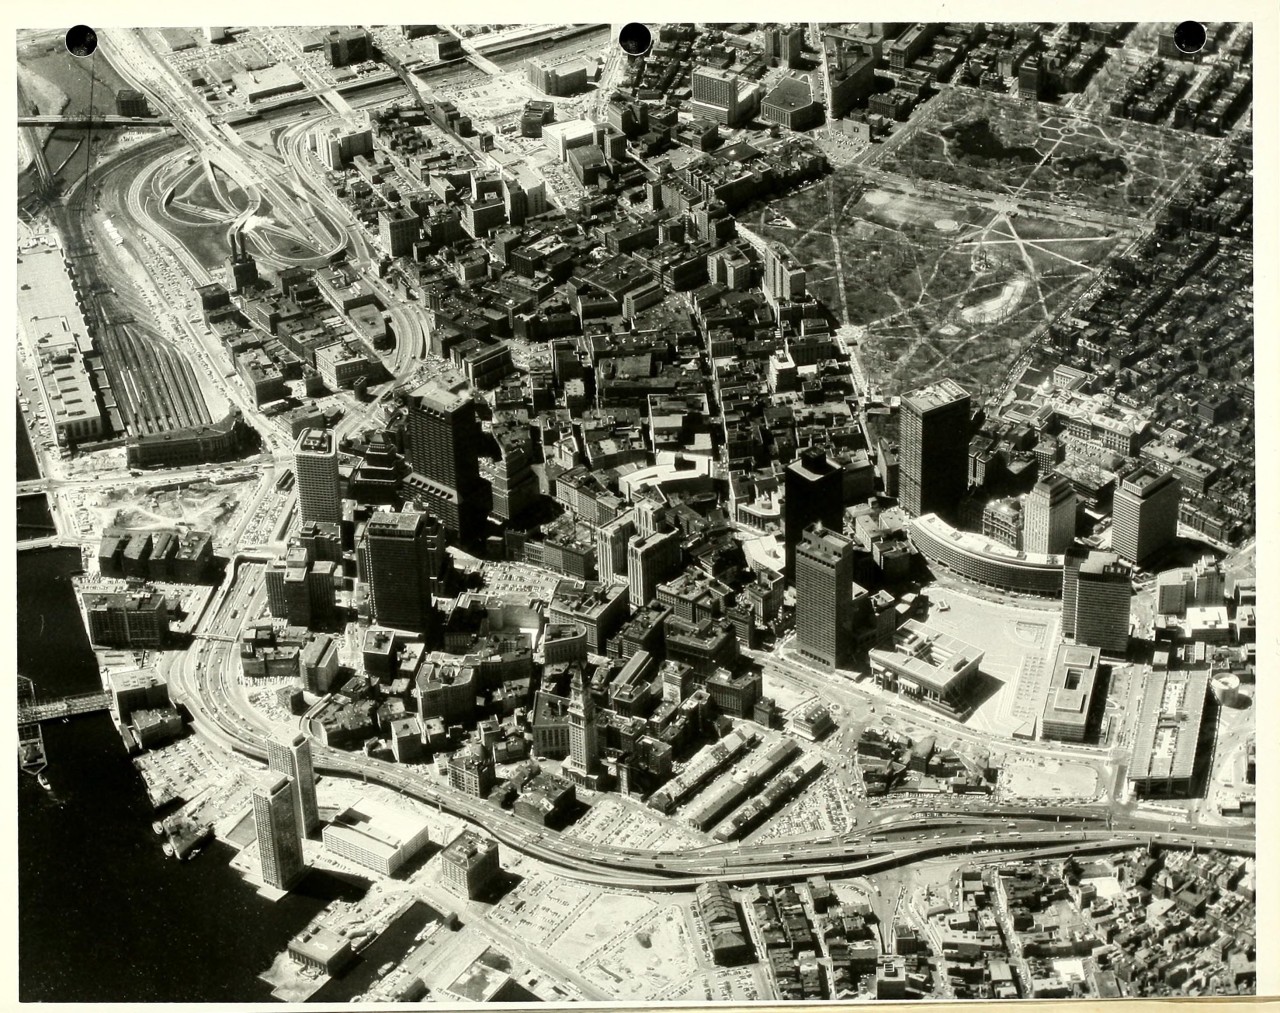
(767, 513)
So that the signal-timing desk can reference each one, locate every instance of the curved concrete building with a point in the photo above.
(980, 559)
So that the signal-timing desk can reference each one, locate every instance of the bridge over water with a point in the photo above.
(32, 711)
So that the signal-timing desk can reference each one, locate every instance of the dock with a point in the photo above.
(31, 754)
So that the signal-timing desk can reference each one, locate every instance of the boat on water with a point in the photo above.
(386, 967)
(167, 848)
(43, 782)
(158, 828)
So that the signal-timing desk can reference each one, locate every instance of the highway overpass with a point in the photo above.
(134, 122)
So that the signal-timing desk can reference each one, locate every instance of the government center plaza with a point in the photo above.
(754, 520)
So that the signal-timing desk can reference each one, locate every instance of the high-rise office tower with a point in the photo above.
(785, 44)
(443, 435)
(1144, 514)
(443, 446)
(649, 514)
(292, 758)
(405, 563)
(611, 546)
(276, 823)
(933, 456)
(824, 596)
(315, 467)
(651, 559)
(813, 489)
(1096, 591)
(1049, 516)
(512, 481)
(583, 746)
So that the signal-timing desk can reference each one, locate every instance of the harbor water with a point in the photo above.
(103, 914)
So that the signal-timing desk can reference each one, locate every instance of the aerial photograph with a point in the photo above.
(672, 512)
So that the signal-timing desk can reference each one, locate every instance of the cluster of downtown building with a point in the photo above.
(635, 653)
(690, 456)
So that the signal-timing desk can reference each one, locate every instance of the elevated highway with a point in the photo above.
(132, 122)
(204, 683)
(52, 542)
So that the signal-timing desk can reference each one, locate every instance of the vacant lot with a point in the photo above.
(628, 824)
(1049, 778)
(642, 958)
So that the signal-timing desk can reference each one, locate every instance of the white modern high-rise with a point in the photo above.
(1144, 514)
(315, 466)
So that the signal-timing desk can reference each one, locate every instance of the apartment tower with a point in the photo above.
(292, 758)
(276, 822)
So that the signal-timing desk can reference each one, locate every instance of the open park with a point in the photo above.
(996, 143)
(933, 285)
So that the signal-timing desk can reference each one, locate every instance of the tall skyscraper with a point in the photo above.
(651, 559)
(583, 745)
(814, 491)
(824, 596)
(444, 441)
(1096, 591)
(293, 759)
(1071, 562)
(405, 563)
(933, 459)
(512, 481)
(315, 467)
(276, 823)
(443, 435)
(611, 546)
(1144, 514)
(1049, 516)
(784, 44)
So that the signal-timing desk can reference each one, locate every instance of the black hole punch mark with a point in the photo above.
(1189, 37)
(81, 41)
(635, 39)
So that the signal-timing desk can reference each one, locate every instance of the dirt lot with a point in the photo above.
(1049, 778)
(631, 945)
(627, 824)
(201, 505)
